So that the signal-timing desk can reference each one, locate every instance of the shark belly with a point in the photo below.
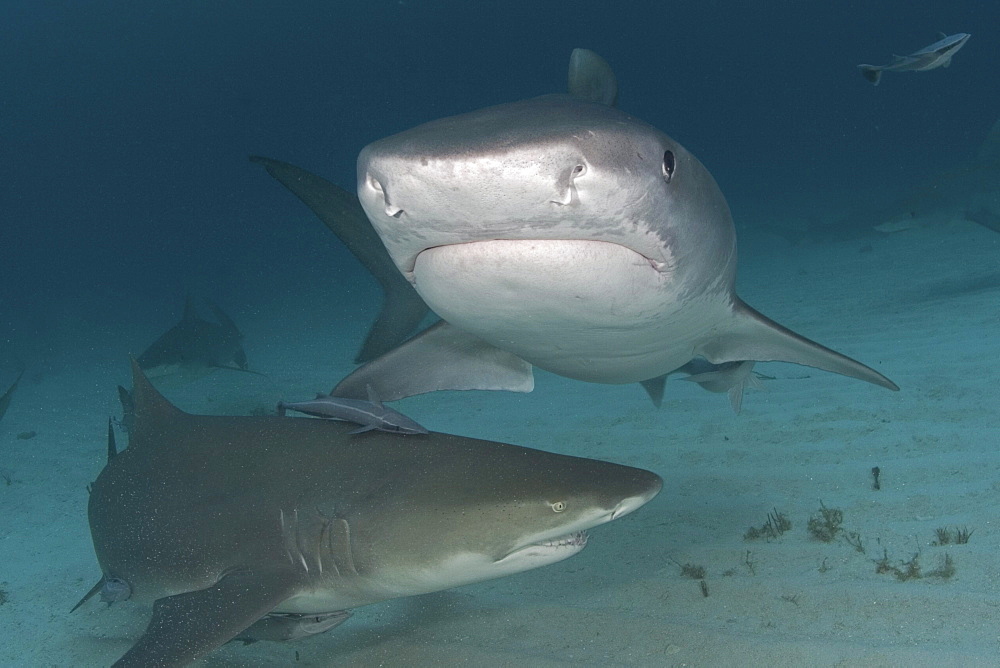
(589, 310)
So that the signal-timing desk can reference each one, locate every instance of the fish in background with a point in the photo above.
(931, 57)
(272, 528)
(9, 394)
(195, 347)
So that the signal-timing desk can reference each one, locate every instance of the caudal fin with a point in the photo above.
(871, 72)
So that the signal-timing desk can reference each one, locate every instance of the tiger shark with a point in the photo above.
(563, 233)
(271, 527)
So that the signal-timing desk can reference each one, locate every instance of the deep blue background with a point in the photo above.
(125, 126)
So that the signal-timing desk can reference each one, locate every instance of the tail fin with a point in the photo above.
(871, 72)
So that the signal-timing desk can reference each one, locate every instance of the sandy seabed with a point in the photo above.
(920, 305)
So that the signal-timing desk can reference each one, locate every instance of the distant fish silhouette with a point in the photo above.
(930, 57)
(985, 217)
(5, 399)
(194, 346)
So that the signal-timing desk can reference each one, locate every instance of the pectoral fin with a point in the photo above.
(752, 336)
(439, 358)
(190, 625)
(402, 309)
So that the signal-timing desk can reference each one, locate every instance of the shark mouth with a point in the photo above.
(641, 253)
(577, 539)
(543, 552)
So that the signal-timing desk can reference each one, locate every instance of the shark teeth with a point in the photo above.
(576, 539)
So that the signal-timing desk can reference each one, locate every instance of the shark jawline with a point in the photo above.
(657, 265)
(572, 542)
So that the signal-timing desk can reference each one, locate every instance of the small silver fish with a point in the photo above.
(930, 57)
(371, 414)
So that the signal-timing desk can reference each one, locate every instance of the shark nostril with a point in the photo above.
(390, 209)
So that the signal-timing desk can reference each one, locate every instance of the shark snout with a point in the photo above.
(648, 486)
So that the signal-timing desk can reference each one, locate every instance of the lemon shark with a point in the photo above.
(273, 527)
(562, 233)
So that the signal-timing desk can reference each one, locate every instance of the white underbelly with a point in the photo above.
(588, 310)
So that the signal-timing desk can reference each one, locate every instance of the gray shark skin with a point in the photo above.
(402, 308)
(222, 522)
(195, 346)
(8, 395)
(370, 414)
(931, 57)
(731, 377)
(563, 233)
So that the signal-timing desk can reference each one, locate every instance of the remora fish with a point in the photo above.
(370, 414)
(267, 527)
(930, 57)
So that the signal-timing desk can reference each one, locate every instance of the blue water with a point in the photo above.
(125, 129)
(126, 125)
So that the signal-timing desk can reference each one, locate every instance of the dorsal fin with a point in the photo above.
(591, 78)
(150, 406)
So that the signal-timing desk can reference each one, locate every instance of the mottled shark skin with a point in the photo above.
(8, 395)
(195, 346)
(402, 308)
(931, 57)
(562, 233)
(271, 527)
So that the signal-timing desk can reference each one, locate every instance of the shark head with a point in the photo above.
(485, 513)
(587, 223)
(553, 168)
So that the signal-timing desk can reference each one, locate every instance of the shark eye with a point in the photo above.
(558, 506)
(669, 165)
(579, 170)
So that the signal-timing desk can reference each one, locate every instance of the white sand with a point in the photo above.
(919, 305)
